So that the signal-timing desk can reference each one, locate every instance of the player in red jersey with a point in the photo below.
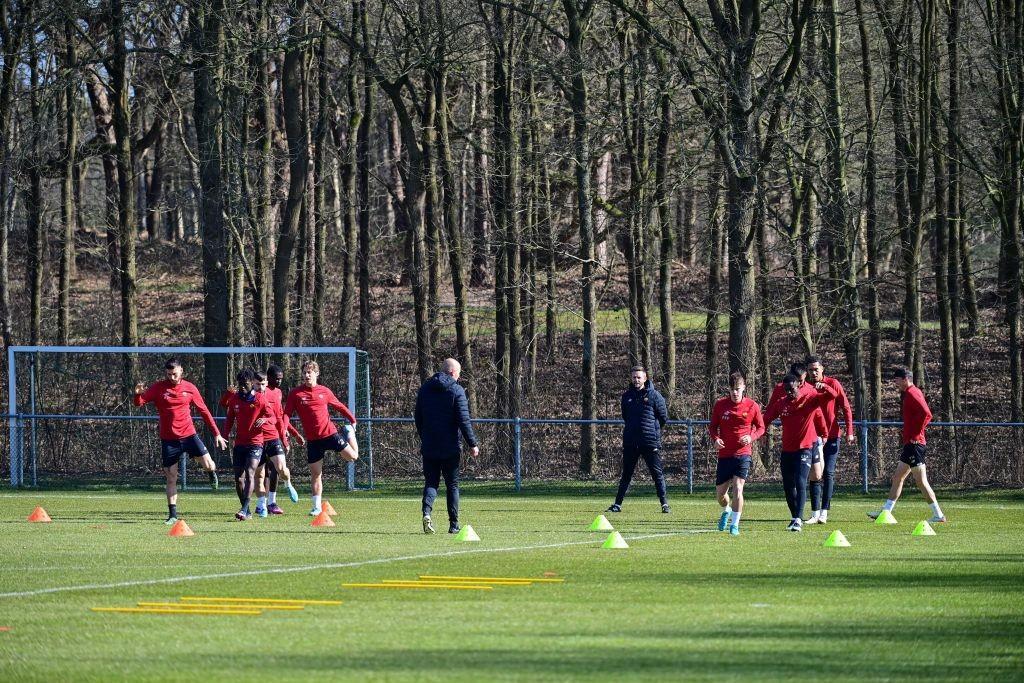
(274, 465)
(823, 471)
(174, 398)
(798, 370)
(735, 424)
(916, 416)
(249, 411)
(799, 436)
(311, 401)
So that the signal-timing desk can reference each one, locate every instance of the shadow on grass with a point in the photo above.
(950, 649)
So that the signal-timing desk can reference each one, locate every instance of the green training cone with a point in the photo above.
(466, 533)
(885, 518)
(923, 528)
(615, 540)
(601, 523)
(836, 540)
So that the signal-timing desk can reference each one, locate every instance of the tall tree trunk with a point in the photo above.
(70, 162)
(480, 268)
(578, 18)
(363, 181)
(667, 230)
(293, 78)
(874, 370)
(126, 226)
(453, 233)
(33, 197)
(208, 31)
(954, 201)
(841, 229)
(347, 149)
(714, 296)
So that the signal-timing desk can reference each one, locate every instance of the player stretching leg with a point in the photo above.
(735, 424)
(311, 401)
(174, 397)
(916, 416)
(274, 464)
(798, 437)
(248, 411)
(823, 480)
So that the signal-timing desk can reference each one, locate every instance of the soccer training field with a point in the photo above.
(682, 602)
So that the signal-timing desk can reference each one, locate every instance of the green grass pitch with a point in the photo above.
(682, 603)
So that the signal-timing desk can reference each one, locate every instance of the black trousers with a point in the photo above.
(796, 466)
(433, 470)
(630, 457)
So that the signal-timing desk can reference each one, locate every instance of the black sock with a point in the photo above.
(172, 510)
(816, 495)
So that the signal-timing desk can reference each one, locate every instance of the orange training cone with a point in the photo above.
(329, 509)
(323, 519)
(180, 528)
(39, 515)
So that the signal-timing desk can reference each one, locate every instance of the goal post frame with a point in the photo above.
(15, 420)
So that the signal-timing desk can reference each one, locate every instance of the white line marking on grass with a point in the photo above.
(336, 565)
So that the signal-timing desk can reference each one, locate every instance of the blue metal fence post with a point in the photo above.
(864, 455)
(689, 455)
(32, 403)
(518, 454)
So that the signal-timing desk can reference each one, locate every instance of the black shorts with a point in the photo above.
(241, 455)
(315, 450)
(817, 452)
(733, 466)
(913, 454)
(272, 448)
(172, 449)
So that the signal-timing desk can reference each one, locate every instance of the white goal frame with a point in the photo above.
(16, 421)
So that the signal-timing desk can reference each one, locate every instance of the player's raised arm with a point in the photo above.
(143, 396)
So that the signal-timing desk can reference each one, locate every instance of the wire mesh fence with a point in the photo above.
(124, 448)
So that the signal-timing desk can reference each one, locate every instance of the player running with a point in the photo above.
(916, 416)
(312, 401)
(799, 434)
(798, 370)
(735, 424)
(823, 471)
(249, 411)
(174, 398)
(275, 447)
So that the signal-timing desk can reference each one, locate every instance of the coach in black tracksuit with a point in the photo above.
(442, 419)
(644, 413)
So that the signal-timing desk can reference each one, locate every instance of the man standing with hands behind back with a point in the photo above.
(644, 414)
(442, 420)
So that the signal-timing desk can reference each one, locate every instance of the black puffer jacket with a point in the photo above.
(442, 414)
(645, 413)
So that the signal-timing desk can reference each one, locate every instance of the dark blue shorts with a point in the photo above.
(273, 448)
(913, 454)
(171, 450)
(315, 450)
(241, 455)
(735, 466)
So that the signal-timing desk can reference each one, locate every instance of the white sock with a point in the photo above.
(935, 509)
(736, 519)
(889, 504)
(316, 502)
(726, 509)
(824, 515)
(272, 497)
(261, 502)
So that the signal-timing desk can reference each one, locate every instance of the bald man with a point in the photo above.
(442, 421)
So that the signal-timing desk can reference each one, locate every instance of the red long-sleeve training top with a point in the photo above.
(798, 418)
(730, 421)
(244, 413)
(831, 413)
(779, 393)
(173, 404)
(916, 415)
(312, 405)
